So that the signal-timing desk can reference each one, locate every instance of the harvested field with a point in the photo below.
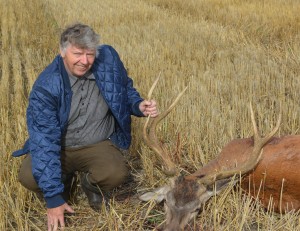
(228, 53)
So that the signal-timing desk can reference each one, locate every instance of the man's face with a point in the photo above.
(78, 60)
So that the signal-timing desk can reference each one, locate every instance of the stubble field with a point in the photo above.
(228, 53)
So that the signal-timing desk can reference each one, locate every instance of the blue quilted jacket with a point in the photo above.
(48, 112)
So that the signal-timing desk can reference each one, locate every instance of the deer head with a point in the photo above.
(185, 195)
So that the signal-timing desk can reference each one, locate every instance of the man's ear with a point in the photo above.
(62, 52)
(158, 194)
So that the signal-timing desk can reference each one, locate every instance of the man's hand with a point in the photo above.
(55, 216)
(148, 107)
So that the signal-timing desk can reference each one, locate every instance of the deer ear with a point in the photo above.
(213, 189)
(219, 185)
(158, 194)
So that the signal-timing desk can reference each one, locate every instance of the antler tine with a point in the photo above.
(153, 87)
(151, 139)
(255, 156)
(145, 133)
(259, 140)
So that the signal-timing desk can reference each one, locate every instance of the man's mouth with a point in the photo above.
(82, 68)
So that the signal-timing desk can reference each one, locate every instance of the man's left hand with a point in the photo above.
(148, 107)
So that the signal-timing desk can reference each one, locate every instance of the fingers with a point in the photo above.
(62, 223)
(55, 227)
(69, 209)
(151, 109)
(148, 107)
(149, 103)
(152, 112)
(52, 224)
(55, 217)
(152, 103)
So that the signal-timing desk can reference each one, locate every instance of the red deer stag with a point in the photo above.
(275, 171)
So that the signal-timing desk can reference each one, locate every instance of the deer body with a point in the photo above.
(275, 179)
(270, 167)
(280, 161)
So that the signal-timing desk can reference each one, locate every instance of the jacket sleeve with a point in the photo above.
(133, 96)
(45, 138)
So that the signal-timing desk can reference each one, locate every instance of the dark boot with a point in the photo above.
(95, 196)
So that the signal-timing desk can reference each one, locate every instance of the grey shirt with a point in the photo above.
(90, 120)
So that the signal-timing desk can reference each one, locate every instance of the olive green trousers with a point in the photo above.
(104, 163)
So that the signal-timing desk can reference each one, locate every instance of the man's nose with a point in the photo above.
(84, 59)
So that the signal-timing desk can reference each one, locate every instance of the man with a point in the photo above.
(78, 119)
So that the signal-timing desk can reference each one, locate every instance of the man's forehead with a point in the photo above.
(77, 48)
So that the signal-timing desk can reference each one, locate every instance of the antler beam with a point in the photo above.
(150, 137)
(254, 159)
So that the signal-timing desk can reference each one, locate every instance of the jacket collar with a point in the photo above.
(64, 74)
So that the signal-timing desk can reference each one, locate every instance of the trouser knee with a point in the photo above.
(110, 178)
(25, 176)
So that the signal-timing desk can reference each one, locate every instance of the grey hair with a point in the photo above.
(79, 35)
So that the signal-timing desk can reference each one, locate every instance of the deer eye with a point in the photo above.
(197, 210)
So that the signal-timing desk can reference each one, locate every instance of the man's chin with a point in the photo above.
(80, 73)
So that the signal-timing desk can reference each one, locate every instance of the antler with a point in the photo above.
(254, 159)
(150, 138)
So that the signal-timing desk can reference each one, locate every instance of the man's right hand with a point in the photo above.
(55, 216)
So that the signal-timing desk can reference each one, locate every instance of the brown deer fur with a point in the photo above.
(276, 176)
(270, 168)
